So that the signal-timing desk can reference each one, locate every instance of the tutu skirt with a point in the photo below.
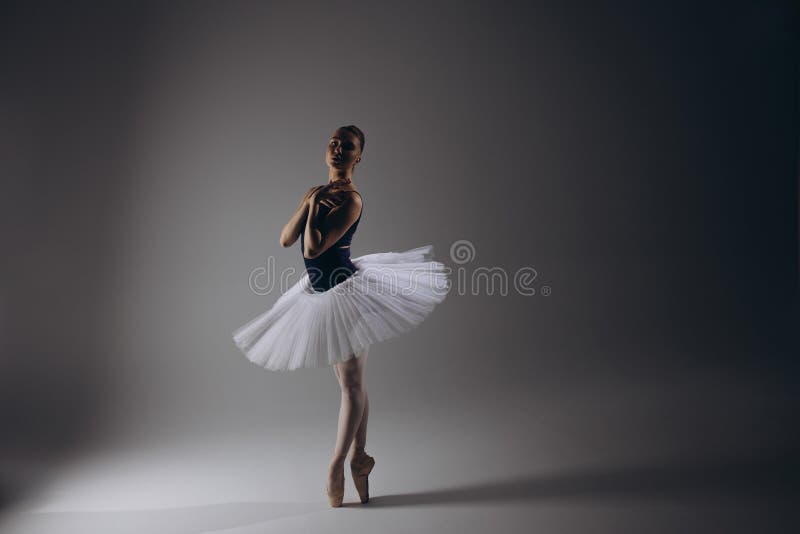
(390, 293)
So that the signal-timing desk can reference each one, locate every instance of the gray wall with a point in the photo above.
(642, 159)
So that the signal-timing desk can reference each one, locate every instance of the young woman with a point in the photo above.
(341, 306)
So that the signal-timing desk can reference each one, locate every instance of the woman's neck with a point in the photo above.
(341, 182)
(340, 176)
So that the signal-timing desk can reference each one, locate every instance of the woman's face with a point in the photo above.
(343, 150)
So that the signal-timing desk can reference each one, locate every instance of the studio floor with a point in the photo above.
(429, 477)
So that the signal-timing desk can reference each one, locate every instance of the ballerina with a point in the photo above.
(341, 306)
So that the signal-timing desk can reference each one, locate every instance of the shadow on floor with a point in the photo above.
(675, 479)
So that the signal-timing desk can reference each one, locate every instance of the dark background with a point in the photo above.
(642, 157)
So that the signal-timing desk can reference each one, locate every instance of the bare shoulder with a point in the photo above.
(355, 196)
(352, 198)
(351, 203)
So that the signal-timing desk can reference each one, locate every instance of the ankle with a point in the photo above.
(336, 464)
(358, 452)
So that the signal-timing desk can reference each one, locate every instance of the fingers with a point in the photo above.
(311, 192)
(332, 201)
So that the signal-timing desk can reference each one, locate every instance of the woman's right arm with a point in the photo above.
(291, 230)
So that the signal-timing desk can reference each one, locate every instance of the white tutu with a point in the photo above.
(389, 294)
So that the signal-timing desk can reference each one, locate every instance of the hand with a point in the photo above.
(321, 194)
(310, 193)
(331, 197)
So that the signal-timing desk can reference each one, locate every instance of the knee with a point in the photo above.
(351, 388)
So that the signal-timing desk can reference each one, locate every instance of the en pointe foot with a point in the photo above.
(361, 465)
(335, 485)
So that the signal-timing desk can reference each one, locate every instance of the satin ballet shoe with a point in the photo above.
(336, 494)
(361, 465)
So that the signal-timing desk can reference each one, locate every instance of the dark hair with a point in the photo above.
(358, 133)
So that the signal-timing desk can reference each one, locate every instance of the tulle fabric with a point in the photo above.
(390, 293)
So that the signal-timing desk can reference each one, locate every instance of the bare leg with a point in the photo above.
(352, 429)
(360, 439)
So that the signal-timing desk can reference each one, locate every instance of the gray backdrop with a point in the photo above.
(642, 159)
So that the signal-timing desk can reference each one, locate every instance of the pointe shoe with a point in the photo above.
(360, 467)
(335, 494)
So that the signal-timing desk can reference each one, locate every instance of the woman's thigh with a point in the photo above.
(350, 372)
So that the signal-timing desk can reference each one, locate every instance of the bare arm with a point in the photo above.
(291, 230)
(319, 238)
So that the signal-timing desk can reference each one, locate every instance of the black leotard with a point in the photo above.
(332, 266)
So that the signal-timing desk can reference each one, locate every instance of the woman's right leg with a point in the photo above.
(360, 439)
(353, 412)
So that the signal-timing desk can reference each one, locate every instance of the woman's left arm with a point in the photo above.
(319, 238)
(291, 230)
